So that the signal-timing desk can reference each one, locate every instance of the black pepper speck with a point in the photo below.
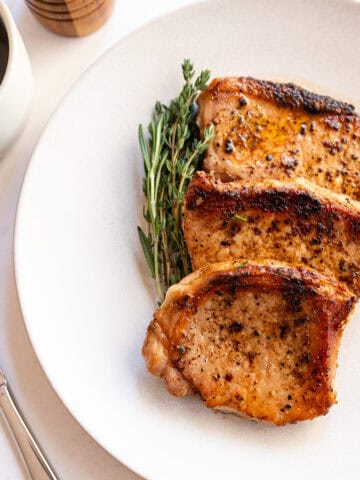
(243, 102)
(229, 146)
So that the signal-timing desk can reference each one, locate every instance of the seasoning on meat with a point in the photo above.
(310, 224)
(283, 375)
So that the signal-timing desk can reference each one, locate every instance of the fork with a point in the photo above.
(37, 465)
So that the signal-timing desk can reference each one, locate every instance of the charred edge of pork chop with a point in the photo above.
(299, 211)
(170, 352)
(286, 95)
(300, 197)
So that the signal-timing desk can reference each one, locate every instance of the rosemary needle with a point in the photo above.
(240, 218)
(171, 153)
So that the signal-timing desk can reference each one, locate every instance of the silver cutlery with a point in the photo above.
(36, 463)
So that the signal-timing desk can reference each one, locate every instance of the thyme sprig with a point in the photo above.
(171, 153)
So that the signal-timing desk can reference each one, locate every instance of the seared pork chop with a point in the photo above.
(259, 340)
(295, 222)
(272, 130)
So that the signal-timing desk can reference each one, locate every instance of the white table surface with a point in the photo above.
(57, 62)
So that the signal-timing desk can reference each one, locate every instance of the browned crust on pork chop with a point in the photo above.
(260, 339)
(281, 131)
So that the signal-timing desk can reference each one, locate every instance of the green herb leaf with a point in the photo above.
(243, 264)
(147, 249)
(240, 218)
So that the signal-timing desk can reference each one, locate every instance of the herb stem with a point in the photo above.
(171, 155)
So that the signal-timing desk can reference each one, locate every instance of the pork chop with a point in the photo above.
(259, 340)
(294, 222)
(281, 131)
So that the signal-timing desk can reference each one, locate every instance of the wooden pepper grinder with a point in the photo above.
(72, 18)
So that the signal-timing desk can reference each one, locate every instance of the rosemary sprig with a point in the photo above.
(171, 154)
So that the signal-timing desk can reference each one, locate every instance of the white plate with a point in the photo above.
(84, 289)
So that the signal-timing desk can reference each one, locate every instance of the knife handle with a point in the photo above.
(37, 465)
